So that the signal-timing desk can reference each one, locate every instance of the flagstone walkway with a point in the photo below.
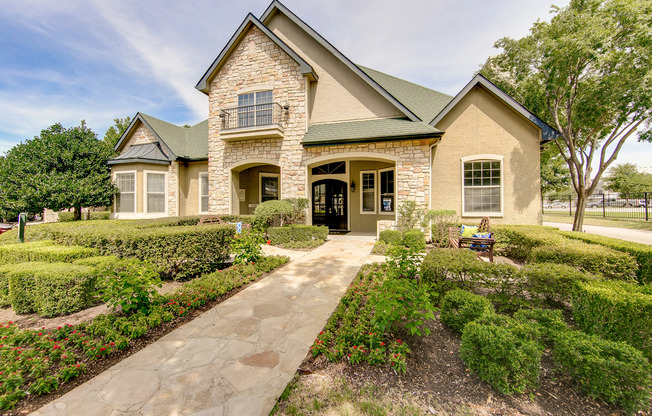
(234, 359)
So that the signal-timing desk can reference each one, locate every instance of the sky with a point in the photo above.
(95, 60)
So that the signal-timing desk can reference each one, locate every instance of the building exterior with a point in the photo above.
(291, 117)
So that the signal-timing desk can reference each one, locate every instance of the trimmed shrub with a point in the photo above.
(102, 215)
(45, 251)
(641, 252)
(273, 213)
(4, 286)
(591, 258)
(460, 307)
(391, 236)
(616, 311)
(50, 289)
(297, 233)
(550, 321)
(554, 282)
(501, 356)
(66, 216)
(414, 239)
(519, 240)
(613, 371)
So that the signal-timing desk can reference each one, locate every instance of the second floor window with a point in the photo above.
(255, 109)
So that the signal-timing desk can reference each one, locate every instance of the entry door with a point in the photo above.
(329, 204)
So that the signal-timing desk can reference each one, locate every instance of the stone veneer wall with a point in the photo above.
(141, 135)
(257, 61)
(173, 189)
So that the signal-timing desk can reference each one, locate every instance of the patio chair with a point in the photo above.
(483, 246)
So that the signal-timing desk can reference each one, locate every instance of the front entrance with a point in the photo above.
(329, 204)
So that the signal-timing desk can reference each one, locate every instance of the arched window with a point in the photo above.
(482, 185)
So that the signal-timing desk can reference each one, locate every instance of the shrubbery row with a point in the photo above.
(292, 236)
(44, 250)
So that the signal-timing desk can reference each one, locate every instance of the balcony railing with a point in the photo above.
(259, 115)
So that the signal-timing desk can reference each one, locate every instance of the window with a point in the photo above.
(330, 169)
(268, 187)
(387, 190)
(125, 201)
(482, 190)
(368, 194)
(203, 192)
(155, 192)
(255, 109)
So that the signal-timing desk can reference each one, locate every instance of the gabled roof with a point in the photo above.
(144, 153)
(248, 22)
(277, 6)
(422, 101)
(329, 134)
(547, 132)
(179, 143)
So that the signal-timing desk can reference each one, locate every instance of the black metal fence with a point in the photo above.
(252, 116)
(634, 206)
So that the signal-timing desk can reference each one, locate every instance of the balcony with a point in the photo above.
(261, 121)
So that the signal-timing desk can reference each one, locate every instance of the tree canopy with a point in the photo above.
(627, 179)
(588, 73)
(113, 133)
(61, 168)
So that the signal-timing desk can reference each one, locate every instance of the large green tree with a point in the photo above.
(627, 179)
(59, 169)
(113, 133)
(588, 73)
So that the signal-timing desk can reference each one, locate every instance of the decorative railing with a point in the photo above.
(258, 115)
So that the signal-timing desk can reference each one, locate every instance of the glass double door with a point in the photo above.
(329, 204)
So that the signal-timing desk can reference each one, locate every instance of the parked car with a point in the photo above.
(609, 202)
(556, 204)
(637, 203)
(5, 227)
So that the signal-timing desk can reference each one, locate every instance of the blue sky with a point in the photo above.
(68, 60)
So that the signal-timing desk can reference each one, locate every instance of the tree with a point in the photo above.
(62, 168)
(587, 73)
(627, 179)
(555, 177)
(114, 133)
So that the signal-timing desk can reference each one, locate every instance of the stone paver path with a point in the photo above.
(234, 359)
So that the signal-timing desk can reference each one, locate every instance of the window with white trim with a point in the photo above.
(482, 186)
(125, 200)
(203, 192)
(368, 192)
(268, 187)
(155, 189)
(387, 194)
(255, 109)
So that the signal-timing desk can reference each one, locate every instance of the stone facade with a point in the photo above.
(142, 135)
(257, 62)
(173, 189)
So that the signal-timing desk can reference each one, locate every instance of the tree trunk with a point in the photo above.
(578, 221)
(76, 216)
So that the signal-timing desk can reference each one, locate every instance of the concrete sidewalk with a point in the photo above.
(235, 359)
(638, 236)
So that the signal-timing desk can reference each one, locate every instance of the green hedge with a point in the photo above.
(616, 311)
(49, 289)
(549, 321)
(297, 233)
(44, 250)
(591, 258)
(519, 240)
(554, 282)
(460, 307)
(414, 239)
(391, 236)
(101, 215)
(613, 371)
(641, 252)
(65, 216)
(4, 287)
(501, 355)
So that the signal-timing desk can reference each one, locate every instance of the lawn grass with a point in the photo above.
(605, 222)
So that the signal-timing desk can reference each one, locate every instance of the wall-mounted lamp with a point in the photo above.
(352, 186)
(286, 107)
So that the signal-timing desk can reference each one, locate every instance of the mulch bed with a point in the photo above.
(436, 374)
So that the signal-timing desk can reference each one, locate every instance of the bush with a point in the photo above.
(588, 257)
(133, 289)
(441, 220)
(616, 311)
(414, 239)
(273, 213)
(50, 289)
(299, 206)
(519, 240)
(459, 308)
(613, 371)
(42, 251)
(66, 216)
(641, 252)
(4, 286)
(501, 356)
(297, 233)
(550, 321)
(554, 282)
(101, 215)
(391, 236)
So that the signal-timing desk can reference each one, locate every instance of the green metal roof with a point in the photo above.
(185, 142)
(367, 131)
(145, 153)
(422, 101)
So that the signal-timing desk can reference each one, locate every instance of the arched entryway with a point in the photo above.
(329, 204)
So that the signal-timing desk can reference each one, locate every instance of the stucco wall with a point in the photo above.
(482, 124)
(339, 94)
(189, 187)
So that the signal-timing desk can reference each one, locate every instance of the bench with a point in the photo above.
(482, 246)
(216, 219)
